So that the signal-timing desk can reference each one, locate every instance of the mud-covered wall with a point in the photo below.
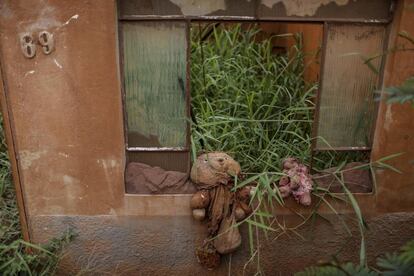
(395, 124)
(65, 107)
(164, 245)
(64, 124)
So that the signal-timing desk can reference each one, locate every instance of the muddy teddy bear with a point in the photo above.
(213, 175)
(212, 169)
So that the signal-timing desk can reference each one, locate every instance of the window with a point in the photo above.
(156, 96)
(155, 65)
(156, 92)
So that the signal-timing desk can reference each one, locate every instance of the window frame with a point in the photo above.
(189, 19)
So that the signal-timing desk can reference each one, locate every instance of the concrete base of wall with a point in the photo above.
(131, 245)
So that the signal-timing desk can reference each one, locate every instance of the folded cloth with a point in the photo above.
(143, 179)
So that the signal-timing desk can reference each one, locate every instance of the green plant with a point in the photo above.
(395, 94)
(404, 92)
(391, 264)
(401, 94)
(248, 101)
(22, 258)
(256, 105)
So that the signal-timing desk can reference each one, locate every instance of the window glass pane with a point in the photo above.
(154, 59)
(347, 105)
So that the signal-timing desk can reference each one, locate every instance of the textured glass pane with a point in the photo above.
(154, 60)
(347, 106)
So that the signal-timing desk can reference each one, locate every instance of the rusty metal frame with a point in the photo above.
(188, 90)
(157, 148)
(249, 19)
(121, 72)
(256, 19)
(318, 93)
(9, 131)
(342, 148)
